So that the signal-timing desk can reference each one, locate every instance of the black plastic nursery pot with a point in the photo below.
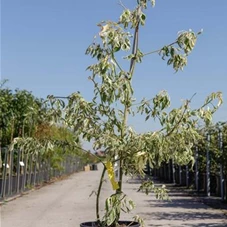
(121, 223)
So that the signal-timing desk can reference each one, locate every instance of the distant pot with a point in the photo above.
(121, 223)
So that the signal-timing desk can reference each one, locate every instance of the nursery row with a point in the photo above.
(23, 172)
(207, 173)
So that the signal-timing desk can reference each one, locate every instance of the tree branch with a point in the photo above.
(156, 51)
(185, 108)
(121, 4)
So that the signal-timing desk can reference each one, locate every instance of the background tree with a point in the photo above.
(24, 122)
(6, 115)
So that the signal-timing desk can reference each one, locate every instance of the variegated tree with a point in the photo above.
(104, 119)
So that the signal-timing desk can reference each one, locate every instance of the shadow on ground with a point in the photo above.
(193, 225)
(182, 216)
(189, 203)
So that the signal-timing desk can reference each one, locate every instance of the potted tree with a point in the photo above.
(104, 119)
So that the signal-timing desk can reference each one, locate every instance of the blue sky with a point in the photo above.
(43, 44)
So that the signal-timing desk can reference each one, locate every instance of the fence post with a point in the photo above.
(196, 169)
(39, 169)
(43, 163)
(4, 174)
(208, 165)
(164, 171)
(222, 181)
(173, 169)
(187, 176)
(49, 169)
(180, 175)
(18, 171)
(35, 170)
(25, 172)
(169, 171)
(10, 173)
(29, 170)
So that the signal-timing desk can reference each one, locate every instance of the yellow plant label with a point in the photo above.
(110, 171)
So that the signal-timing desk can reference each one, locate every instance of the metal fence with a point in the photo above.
(203, 180)
(206, 183)
(21, 172)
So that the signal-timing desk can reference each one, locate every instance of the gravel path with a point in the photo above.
(67, 203)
